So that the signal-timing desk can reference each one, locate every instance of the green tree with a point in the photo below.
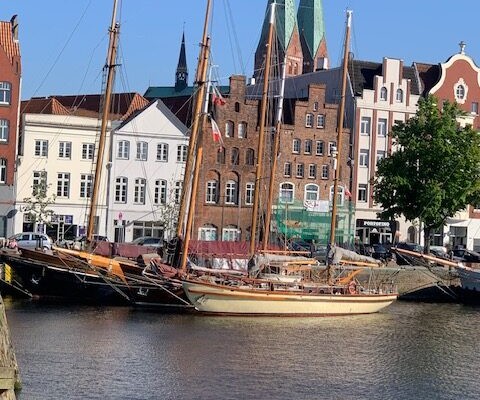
(435, 170)
(37, 206)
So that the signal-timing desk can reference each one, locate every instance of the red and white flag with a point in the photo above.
(217, 97)
(216, 134)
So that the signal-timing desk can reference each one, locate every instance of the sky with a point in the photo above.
(64, 42)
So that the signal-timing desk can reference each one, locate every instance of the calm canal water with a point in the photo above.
(409, 351)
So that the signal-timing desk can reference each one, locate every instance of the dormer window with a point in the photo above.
(383, 93)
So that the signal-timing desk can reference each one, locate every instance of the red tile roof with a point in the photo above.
(9, 45)
(43, 106)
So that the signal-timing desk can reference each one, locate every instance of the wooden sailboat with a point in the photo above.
(294, 289)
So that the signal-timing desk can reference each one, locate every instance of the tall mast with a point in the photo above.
(261, 135)
(200, 79)
(195, 151)
(276, 145)
(340, 128)
(110, 65)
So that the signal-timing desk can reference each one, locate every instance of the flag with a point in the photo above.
(216, 134)
(217, 97)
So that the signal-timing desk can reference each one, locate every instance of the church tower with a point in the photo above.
(288, 38)
(181, 75)
(311, 26)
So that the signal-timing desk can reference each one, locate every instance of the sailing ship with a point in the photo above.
(294, 286)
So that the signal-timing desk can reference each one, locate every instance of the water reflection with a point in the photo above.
(425, 351)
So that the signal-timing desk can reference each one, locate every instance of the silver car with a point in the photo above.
(30, 240)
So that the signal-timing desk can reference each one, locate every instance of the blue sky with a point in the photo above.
(64, 43)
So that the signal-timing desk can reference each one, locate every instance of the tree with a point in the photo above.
(435, 171)
(37, 205)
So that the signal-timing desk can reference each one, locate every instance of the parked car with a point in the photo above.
(403, 259)
(381, 252)
(30, 240)
(148, 241)
(466, 255)
(439, 251)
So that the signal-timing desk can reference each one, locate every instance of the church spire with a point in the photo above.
(181, 75)
(287, 38)
(311, 27)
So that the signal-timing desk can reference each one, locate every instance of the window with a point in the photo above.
(123, 151)
(162, 152)
(474, 107)
(65, 150)
(325, 171)
(319, 148)
(237, 106)
(340, 194)
(312, 171)
(308, 146)
(315, 105)
(86, 181)
(287, 191)
(41, 148)
(231, 234)
(139, 191)
(160, 192)
(242, 130)
(121, 189)
(311, 192)
(287, 169)
(207, 233)
(365, 125)
(177, 192)
(235, 156)
(380, 155)
(39, 181)
(297, 143)
(249, 193)
(332, 148)
(320, 121)
(212, 192)
(300, 170)
(182, 150)
(142, 151)
(221, 155)
(4, 130)
(3, 170)
(309, 120)
(250, 157)
(399, 96)
(63, 184)
(383, 93)
(5, 92)
(229, 129)
(363, 162)
(88, 151)
(231, 192)
(460, 92)
(362, 192)
(382, 127)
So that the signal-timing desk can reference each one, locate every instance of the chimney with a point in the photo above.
(14, 23)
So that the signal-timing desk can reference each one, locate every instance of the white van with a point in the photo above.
(30, 240)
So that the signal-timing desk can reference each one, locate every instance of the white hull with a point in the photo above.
(218, 299)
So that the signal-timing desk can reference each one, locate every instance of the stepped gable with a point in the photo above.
(8, 39)
(362, 75)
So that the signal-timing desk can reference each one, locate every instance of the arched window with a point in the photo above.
(229, 129)
(249, 193)
(250, 157)
(383, 93)
(287, 192)
(242, 130)
(237, 106)
(221, 155)
(207, 232)
(311, 192)
(231, 192)
(399, 96)
(309, 120)
(211, 194)
(235, 156)
(412, 234)
(231, 233)
(340, 194)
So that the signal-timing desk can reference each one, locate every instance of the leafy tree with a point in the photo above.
(37, 205)
(435, 171)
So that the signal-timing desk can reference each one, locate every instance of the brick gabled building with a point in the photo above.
(10, 79)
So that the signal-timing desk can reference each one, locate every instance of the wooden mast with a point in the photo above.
(273, 169)
(200, 79)
(110, 65)
(261, 135)
(340, 129)
(195, 149)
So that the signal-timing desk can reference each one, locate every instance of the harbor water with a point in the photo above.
(408, 351)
